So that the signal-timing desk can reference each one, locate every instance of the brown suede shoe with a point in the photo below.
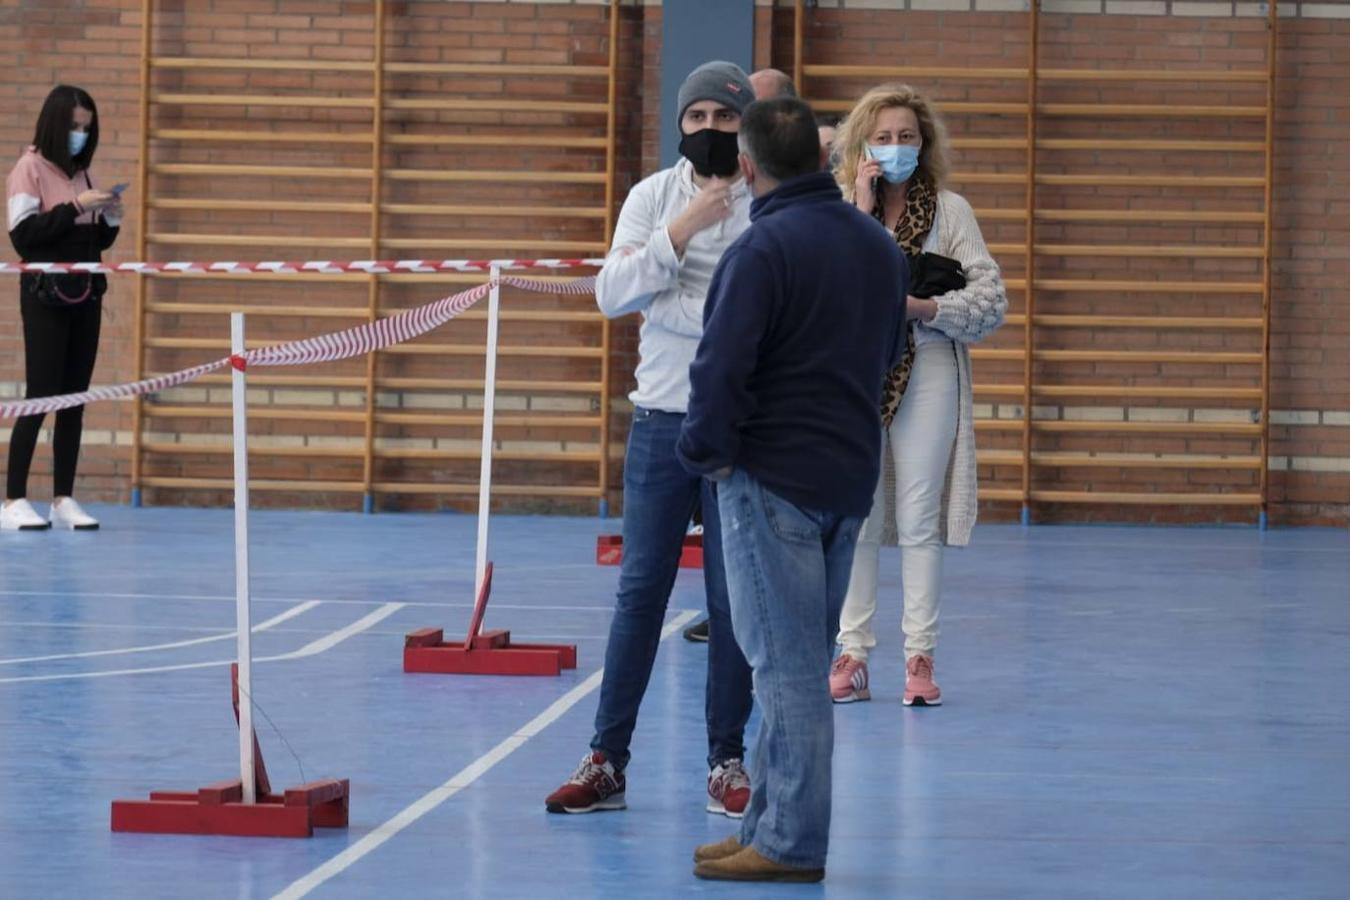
(719, 850)
(748, 865)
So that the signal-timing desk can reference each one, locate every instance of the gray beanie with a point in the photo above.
(721, 81)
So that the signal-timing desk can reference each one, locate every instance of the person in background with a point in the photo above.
(772, 83)
(768, 84)
(892, 161)
(671, 233)
(804, 319)
(827, 127)
(56, 214)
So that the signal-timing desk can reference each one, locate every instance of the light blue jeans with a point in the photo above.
(787, 573)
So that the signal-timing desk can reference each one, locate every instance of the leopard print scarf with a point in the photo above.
(911, 230)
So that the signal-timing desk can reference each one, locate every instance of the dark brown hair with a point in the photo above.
(54, 124)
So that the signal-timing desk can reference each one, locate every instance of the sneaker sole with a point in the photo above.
(920, 701)
(43, 527)
(611, 804)
(76, 527)
(718, 809)
(854, 697)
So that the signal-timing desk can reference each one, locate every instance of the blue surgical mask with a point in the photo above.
(77, 141)
(898, 161)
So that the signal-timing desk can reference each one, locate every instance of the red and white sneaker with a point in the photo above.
(848, 680)
(920, 688)
(594, 787)
(729, 789)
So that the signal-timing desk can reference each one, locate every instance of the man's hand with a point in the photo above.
(710, 205)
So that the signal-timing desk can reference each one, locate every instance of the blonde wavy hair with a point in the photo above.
(861, 122)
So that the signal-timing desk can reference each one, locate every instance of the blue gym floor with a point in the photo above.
(1129, 712)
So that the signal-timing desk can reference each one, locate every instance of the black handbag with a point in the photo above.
(931, 274)
(62, 290)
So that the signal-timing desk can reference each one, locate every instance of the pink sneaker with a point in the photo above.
(920, 688)
(848, 680)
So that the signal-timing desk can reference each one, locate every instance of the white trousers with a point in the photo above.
(920, 440)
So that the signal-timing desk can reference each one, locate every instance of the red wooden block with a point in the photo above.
(609, 551)
(426, 637)
(216, 809)
(516, 659)
(483, 652)
(219, 808)
(233, 819)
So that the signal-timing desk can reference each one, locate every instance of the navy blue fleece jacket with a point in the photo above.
(804, 318)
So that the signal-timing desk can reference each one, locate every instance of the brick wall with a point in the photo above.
(1310, 472)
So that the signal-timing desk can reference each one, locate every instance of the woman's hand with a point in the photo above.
(920, 309)
(114, 209)
(712, 204)
(92, 200)
(864, 197)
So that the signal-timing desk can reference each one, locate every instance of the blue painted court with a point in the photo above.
(1128, 712)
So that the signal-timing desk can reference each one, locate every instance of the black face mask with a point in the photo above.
(712, 152)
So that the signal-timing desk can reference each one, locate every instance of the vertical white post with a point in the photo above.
(242, 612)
(489, 402)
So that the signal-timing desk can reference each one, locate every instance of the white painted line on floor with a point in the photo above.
(462, 779)
(146, 648)
(330, 641)
(222, 598)
(310, 649)
(114, 626)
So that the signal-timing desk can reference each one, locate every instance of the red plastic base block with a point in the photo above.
(483, 652)
(217, 809)
(609, 551)
(491, 653)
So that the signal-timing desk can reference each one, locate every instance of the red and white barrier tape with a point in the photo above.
(573, 286)
(356, 341)
(316, 267)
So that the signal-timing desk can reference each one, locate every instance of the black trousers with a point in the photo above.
(60, 346)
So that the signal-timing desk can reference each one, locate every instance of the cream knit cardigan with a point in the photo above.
(966, 316)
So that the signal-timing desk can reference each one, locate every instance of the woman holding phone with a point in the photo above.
(56, 214)
(892, 161)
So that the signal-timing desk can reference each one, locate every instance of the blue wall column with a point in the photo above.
(694, 32)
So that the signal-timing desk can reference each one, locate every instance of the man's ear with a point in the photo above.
(747, 169)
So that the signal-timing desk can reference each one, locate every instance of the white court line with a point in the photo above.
(310, 649)
(123, 626)
(261, 626)
(113, 626)
(222, 598)
(462, 779)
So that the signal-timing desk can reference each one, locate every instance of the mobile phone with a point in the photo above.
(119, 188)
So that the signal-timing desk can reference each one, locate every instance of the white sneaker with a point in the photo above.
(20, 516)
(69, 515)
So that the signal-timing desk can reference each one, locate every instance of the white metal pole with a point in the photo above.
(489, 402)
(241, 585)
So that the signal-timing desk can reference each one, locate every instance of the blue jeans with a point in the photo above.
(787, 573)
(658, 500)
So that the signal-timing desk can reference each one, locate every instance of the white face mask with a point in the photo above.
(77, 141)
